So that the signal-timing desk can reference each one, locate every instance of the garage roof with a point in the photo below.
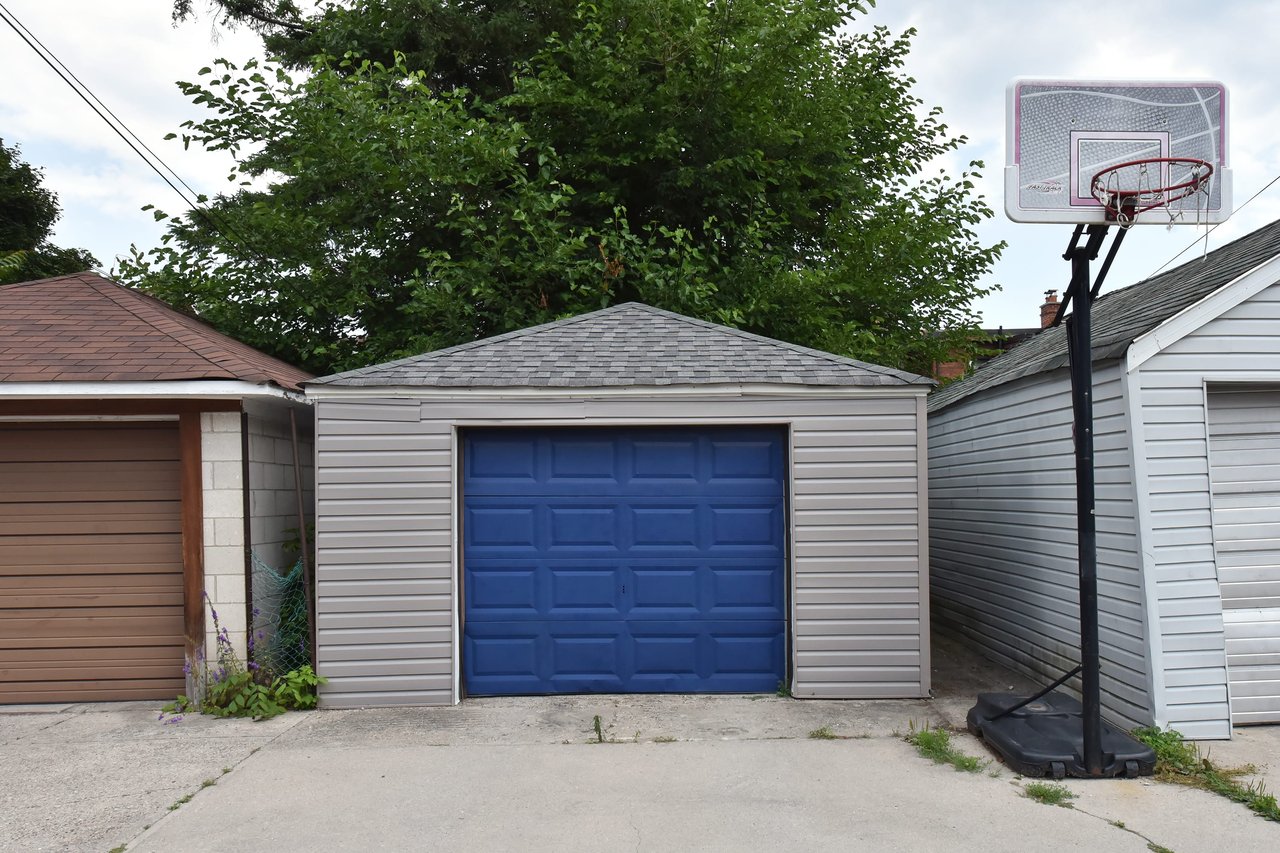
(1122, 316)
(85, 328)
(625, 345)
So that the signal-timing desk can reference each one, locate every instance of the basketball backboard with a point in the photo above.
(1060, 133)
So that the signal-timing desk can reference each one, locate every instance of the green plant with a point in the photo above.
(1049, 793)
(1157, 848)
(599, 731)
(208, 783)
(119, 848)
(783, 690)
(1181, 763)
(823, 733)
(233, 688)
(935, 744)
(296, 689)
(664, 739)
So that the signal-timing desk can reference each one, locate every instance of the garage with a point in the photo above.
(625, 501)
(624, 560)
(91, 594)
(1244, 452)
(143, 461)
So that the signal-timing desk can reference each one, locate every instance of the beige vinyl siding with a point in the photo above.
(1241, 345)
(1003, 549)
(386, 532)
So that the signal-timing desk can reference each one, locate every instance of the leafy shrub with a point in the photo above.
(233, 688)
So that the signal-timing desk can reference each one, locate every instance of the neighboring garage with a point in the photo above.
(625, 501)
(1186, 403)
(143, 457)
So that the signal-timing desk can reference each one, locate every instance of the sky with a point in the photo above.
(963, 57)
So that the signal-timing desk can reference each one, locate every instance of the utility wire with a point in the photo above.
(102, 111)
(1214, 228)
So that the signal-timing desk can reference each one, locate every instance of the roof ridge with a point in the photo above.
(170, 322)
(834, 358)
(112, 290)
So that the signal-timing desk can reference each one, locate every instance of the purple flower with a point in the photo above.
(186, 668)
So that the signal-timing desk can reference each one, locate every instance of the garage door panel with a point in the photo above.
(1244, 450)
(645, 560)
(112, 442)
(610, 657)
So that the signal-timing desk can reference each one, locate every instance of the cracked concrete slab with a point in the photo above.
(90, 777)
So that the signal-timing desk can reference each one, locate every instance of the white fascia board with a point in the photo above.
(474, 393)
(175, 390)
(1191, 318)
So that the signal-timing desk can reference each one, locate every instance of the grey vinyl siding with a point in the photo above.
(1241, 344)
(1003, 533)
(386, 533)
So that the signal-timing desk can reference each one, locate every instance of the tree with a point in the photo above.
(751, 163)
(27, 213)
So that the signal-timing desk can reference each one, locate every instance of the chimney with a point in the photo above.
(1049, 310)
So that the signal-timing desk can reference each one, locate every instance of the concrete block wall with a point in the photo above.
(224, 545)
(273, 499)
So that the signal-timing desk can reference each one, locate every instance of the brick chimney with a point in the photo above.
(1049, 310)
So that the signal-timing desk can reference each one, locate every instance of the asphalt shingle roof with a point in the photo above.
(1122, 316)
(85, 328)
(625, 345)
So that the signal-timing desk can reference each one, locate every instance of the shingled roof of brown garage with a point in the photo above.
(86, 328)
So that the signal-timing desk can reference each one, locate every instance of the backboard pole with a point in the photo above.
(1078, 337)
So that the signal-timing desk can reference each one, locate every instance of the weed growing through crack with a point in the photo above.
(783, 690)
(118, 849)
(1118, 824)
(1181, 763)
(208, 783)
(664, 739)
(599, 731)
(1049, 793)
(1157, 848)
(823, 733)
(935, 744)
(180, 802)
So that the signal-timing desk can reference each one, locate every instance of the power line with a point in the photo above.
(120, 128)
(1215, 227)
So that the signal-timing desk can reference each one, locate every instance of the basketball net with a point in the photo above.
(1177, 185)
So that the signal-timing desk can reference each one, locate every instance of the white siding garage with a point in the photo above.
(1186, 369)
(709, 407)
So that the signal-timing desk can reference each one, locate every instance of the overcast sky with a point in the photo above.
(129, 53)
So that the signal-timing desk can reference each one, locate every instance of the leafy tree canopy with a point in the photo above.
(28, 212)
(442, 171)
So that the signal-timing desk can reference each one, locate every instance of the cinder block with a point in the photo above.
(223, 503)
(227, 475)
(230, 589)
(229, 531)
(220, 447)
(223, 560)
(226, 422)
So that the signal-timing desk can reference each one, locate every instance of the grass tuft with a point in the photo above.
(823, 733)
(664, 739)
(1182, 763)
(1157, 848)
(1049, 793)
(935, 744)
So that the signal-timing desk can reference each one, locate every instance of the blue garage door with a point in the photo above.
(623, 561)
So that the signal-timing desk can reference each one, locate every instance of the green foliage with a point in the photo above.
(28, 212)
(444, 172)
(823, 733)
(1182, 763)
(1049, 793)
(232, 688)
(935, 744)
(783, 690)
(599, 731)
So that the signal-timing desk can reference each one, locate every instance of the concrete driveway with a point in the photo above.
(673, 773)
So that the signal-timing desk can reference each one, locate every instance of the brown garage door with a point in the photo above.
(90, 562)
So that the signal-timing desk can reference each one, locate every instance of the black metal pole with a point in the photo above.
(1078, 337)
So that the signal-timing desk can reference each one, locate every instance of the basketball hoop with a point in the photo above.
(1128, 189)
